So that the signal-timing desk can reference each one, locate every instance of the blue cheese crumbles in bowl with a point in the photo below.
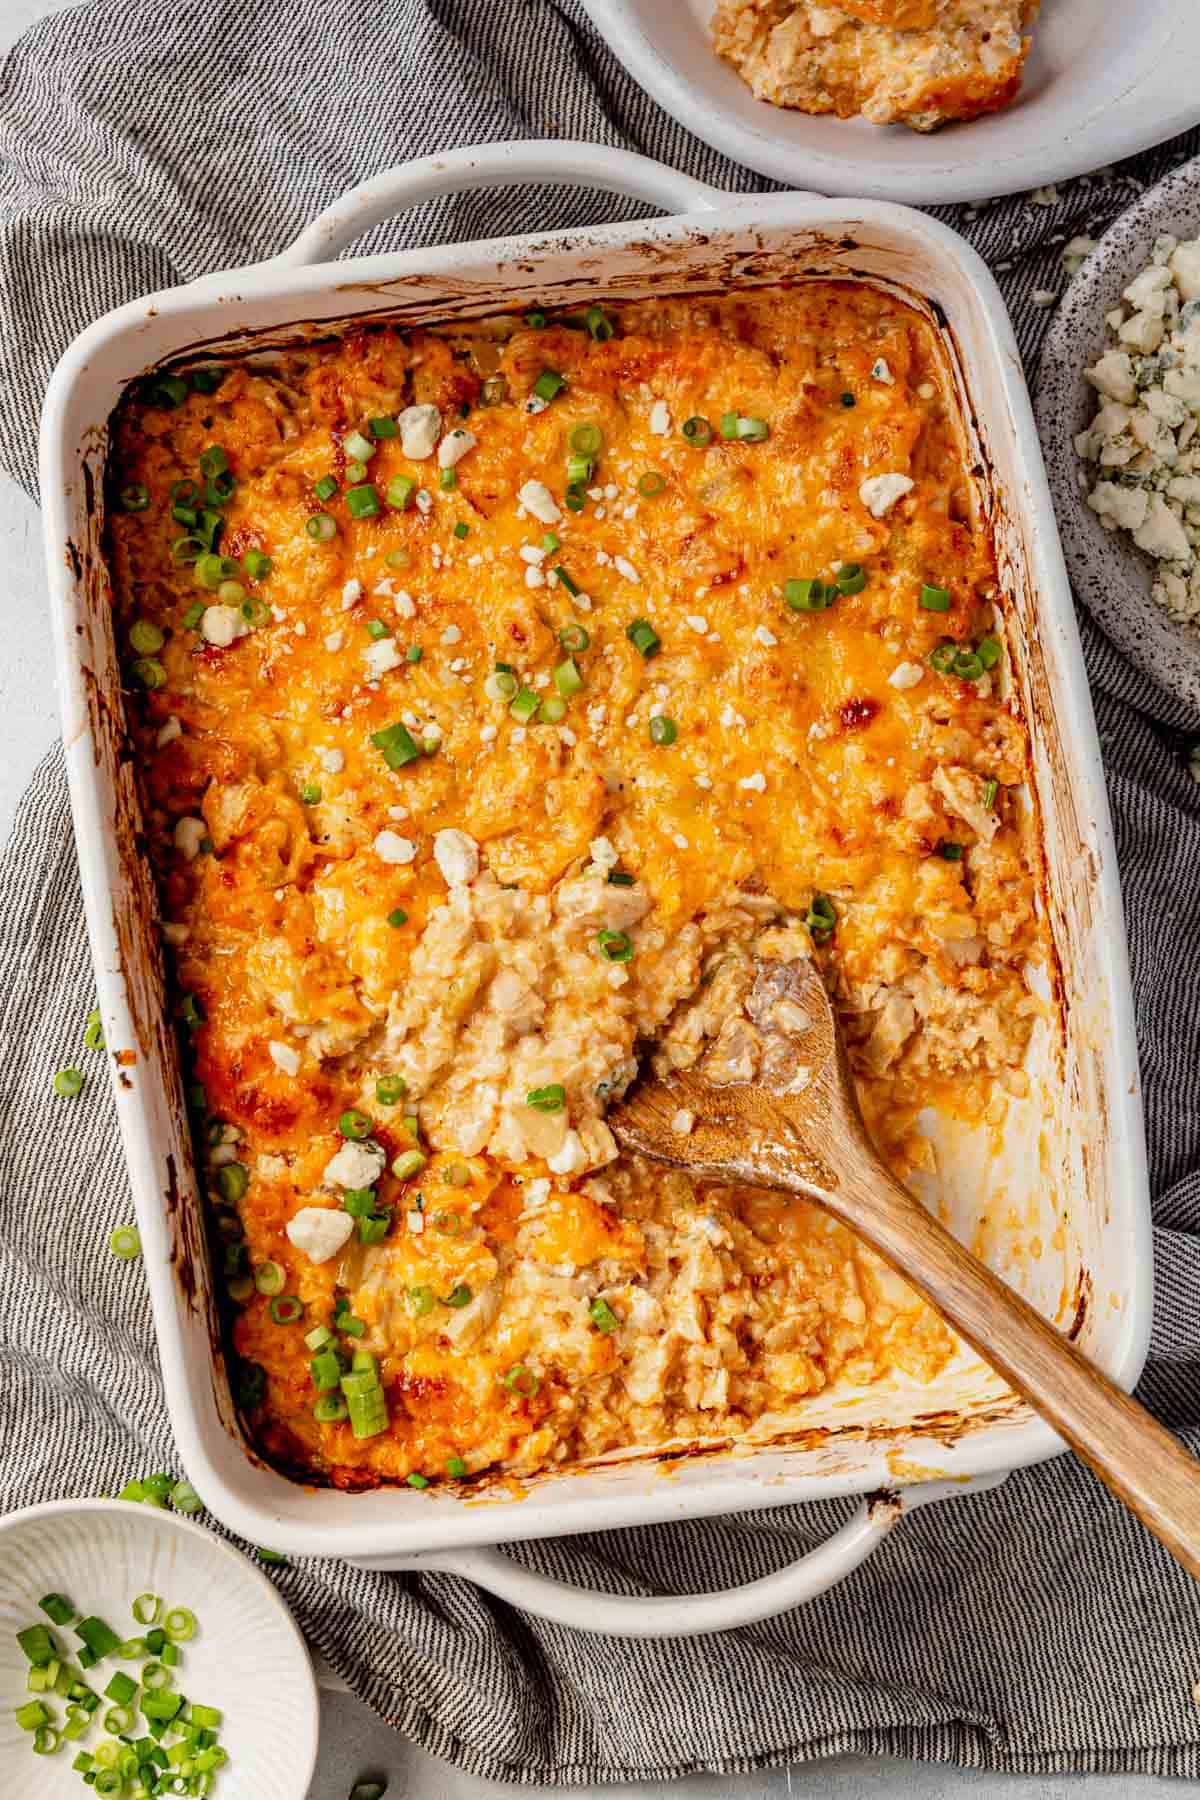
(1142, 447)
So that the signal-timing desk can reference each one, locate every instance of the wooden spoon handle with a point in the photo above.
(1143, 1465)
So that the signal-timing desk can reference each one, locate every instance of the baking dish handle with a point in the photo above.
(691, 1615)
(543, 161)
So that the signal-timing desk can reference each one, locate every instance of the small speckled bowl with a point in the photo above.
(1110, 574)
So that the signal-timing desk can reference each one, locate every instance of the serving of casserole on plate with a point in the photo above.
(495, 684)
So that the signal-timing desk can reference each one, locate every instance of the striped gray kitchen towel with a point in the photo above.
(1032, 1628)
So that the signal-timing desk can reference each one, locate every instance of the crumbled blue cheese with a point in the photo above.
(319, 1231)
(879, 493)
(1143, 443)
(419, 428)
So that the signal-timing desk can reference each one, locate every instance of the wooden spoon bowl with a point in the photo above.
(771, 1104)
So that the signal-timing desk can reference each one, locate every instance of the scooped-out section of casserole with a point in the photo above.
(492, 687)
(920, 63)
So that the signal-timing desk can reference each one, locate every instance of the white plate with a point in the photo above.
(247, 1656)
(1101, 82)
(1109, 573)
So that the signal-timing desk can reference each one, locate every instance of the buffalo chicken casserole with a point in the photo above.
(492, 687)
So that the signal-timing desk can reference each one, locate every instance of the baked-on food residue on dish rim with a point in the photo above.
(921, 63)
(492, 687)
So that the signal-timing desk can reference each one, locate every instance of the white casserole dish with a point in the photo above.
(1073, 1173)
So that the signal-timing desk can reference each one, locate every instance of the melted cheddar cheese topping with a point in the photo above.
(547, 664)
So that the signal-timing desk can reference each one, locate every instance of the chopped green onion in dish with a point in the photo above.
(644, 638)
(286, 1309)
(553, 709)
(935, 599)
(448, 478)
(567, 678)
(579, 471)
(458, 1297)
(417, 1480)
(851, 578)
(522, 1380)
(310, 793)
(397, 744)
(400, 490)
(950, 851)
(524, 705)
(146, 638)
(390, 1088)
(232, 1181)
(809, 595)
(185, 1499)
(358, 447)
(697, 431)
(536, 321)
(602, 1316)
(575, 496)
(651, 483)
(149, 672)
(326, 487)
(585, 439)
(93, 1031)
(990, 789)
(549, 1099)
(574, 638)
(414, 653)
(383, 427)
(849, 400)
(321, 527)
(354, 1124)
(125, 1242)
(663, 730)
(397, 917)
(615, 946)
(988, 651)
(377, 629)
(134, 497)
(599, 325)
(461, 529)
(257, 565)
(548, 384)
(821, 918)
(408, 1164)
(562, 576)
(362, 502)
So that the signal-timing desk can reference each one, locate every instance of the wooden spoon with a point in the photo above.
(772, 1105)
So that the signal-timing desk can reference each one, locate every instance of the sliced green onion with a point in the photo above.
(620, 878)
(536, 320)
(567, 678)
(257, 564)
(213, 461)
(461, 530)
(408, 1164)
(310, 793)
(934, 599)
(457, 1468)
(326, 488)
(149, 672)
(575, 496)
(949, 851)
(851, 578)
(118, 1720)
(941, 657)
(354, 1125)
(326, 1371)
(599, 325)
(212, 570)
(729, 425)
(183, 514)
(100, 1638)
(551, 542)
(988, 651)
(390, 1088)
(362, 502)
(414, 653)
(615, 946)
(644, 638)
(67, 1083)
(377, 629)
(397, 917)
(553, 709)
(167, 391)
(133, 497)
(525, 705)
(356, 471)
(358, 1202)
(752, 431)
(448, 478)
(187, 550)
(494, 391)
(383, 427)
(58, 1609)
(254, 610)
(397, 745)
(697, 431)
(321, 527)
(375, 1226)
(662, 729)
(549, 1099)
(585, 439)
(125, 1242)
(179, 1624)
(286, 1309)
(579, 471)
(220, 488)
(574, 638)
(185, 1499)
(46, 1740)
(990, 790)
(561, 575)
(422, 1300)
(458, 1297)
(522, 1380)
(548, 384)
(808, 595)
(651, 483)
(400, 490)
(146, 638)
(38, 1645)
(330, 1409)
(602, 1316)
(821, 918)
(232, 1180)
(360, 448)
(319, 1338)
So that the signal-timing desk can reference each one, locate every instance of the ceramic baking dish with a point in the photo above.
(1067, 1198)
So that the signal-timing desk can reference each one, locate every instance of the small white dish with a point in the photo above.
(247, 1656)
(1110, 575)
(1100, 83)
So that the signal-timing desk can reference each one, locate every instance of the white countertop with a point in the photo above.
(353, 1742)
